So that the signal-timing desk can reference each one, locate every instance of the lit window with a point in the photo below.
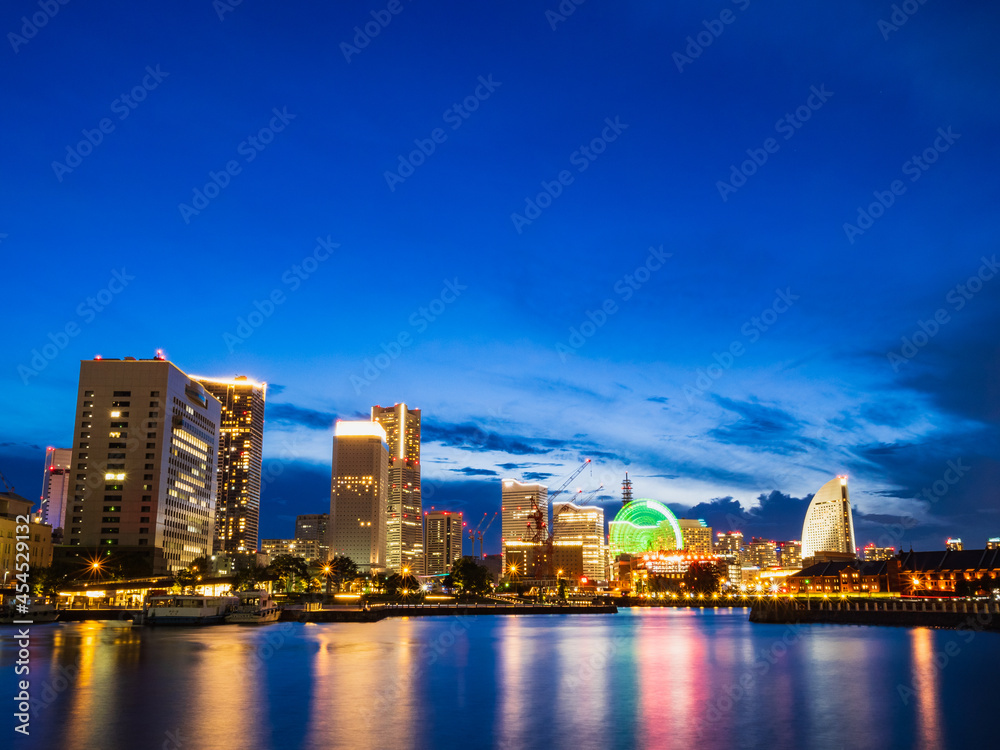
(116, 414)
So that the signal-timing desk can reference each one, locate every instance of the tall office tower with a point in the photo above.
(953, 544)
(790, 554)
(729, 543)
(314, 528)
(359, 493)
(763, 553)
(516, 509)
(404, 535)
(584, 524)
(55, 487)
(442, 541)
(241, 450)
(993, 542)
(697, 536)
(829, 525)
(144, 450)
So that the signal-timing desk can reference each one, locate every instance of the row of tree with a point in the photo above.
(290, 573)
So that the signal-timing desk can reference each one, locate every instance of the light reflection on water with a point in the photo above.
(642, 678)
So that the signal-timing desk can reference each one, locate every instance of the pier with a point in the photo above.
(937, 613)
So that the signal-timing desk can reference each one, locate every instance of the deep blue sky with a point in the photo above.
(812, 396)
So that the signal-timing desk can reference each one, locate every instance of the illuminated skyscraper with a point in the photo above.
(762, 553)
(238, 464)
(584, 524)
(829, 525)
(516, 508)
(358, 494)
(954, 544)
(790, 554)
(55, 488)
(729, 543)
(404, 534)
(442, 541)
(697, 536)
(144, 453)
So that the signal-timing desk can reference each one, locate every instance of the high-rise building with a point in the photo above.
(584, 524)
(993, 542)
(790, 554)
(404, 533)
(829, 525)
(697, 536)
(144, 453)
(238, 464)
(55, 488)
(729, 543)
(314, 528)
(359, 493)
(762, 553)
(516, 509)
(954, 544)
(442, 541)
(871, 553)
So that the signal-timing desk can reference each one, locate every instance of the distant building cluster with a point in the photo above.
(165, 468)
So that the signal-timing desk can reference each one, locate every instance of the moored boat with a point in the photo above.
(254, 608)
(38, 614)
(196, 609)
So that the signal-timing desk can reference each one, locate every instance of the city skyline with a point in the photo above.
(669, 306)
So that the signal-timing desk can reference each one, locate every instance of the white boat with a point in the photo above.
(179, 609)
(254, 608)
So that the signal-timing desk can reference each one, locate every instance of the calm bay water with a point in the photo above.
(680, 678)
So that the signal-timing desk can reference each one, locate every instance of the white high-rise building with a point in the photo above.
(517, 509)
(829, 525)
(55, 487)
(359, 494)
(584, 523)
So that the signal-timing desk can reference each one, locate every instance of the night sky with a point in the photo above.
(734, 265)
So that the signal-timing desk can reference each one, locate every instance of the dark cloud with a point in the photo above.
(778, 516)
(471, 472)
(471, 437)
(273, 389)
(291, 414)
(658, 399)
(536, 476)
(761, 427)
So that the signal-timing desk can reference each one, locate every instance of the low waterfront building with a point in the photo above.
(12, 508)
(531, 559)
(941, 572)
(306, 549)
(847, 577)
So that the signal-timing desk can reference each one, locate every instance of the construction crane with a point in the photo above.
(8, 485)
(473, 532)
(538, 526)
(580, 498)
(480, 534)
(566, 484)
